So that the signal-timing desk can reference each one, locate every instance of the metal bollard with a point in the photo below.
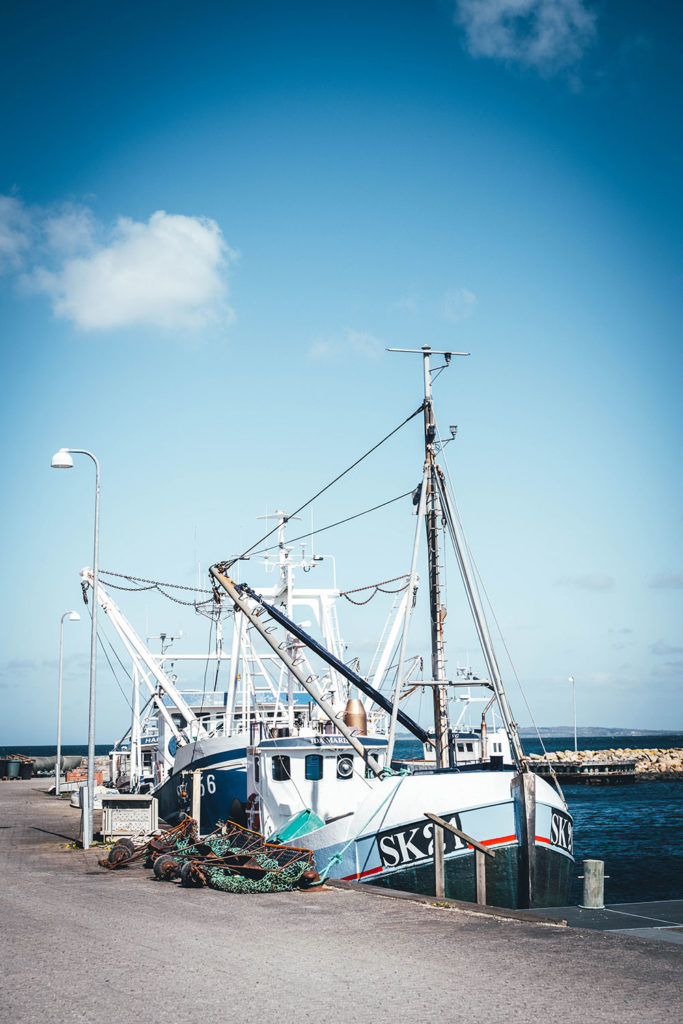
(593, 885)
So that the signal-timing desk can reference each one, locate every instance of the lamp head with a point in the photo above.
(74, 617)
(62, 460)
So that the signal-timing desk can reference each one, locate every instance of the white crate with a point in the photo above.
(127, 814)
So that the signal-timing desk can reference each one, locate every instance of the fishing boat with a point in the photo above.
(333, 784)
(189, 746)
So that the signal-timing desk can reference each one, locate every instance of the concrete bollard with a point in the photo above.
(593, 885)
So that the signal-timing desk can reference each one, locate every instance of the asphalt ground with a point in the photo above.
(80, 943)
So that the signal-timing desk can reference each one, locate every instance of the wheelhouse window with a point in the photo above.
(281, 768)
(314, 767)
(257, 769)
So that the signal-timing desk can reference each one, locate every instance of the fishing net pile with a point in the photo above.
(231, 859)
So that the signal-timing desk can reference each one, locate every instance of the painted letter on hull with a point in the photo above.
(414, 842)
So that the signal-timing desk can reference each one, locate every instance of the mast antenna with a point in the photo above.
(433, 514)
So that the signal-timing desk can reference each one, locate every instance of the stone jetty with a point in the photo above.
(649, 762)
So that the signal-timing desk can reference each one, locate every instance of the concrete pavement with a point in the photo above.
(83, 944)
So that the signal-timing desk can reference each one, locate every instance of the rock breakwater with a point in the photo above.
(648, 761)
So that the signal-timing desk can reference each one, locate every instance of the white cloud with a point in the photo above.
(589, 582)
(168, 272)
(347, 342)
(458, 304)
(545, 34)
(15, 233)
(165, 273)
(71, 230)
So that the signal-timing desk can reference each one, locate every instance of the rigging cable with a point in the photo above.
(376, 588)
(201, 708)
(480, 583)
(156, 585)
(231, 561)
(113, 671)
(340, 522)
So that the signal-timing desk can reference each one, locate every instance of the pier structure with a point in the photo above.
(81, 943)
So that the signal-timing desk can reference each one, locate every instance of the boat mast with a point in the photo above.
(433, 513)
(437, 609)
(439, 506)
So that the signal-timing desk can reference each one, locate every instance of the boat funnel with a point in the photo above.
(354, 716)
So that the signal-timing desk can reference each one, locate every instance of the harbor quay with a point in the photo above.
(84, 944)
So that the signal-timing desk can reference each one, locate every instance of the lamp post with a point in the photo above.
(571, 680)
(73, 617)
(62, 460)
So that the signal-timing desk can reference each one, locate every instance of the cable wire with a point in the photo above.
(231, 561)
(480, 583)
(331, 526)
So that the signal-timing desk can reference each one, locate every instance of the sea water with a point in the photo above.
(636, 828)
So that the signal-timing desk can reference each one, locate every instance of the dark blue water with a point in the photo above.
(635, 827)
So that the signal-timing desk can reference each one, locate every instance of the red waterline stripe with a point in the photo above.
(484, 842)
(542, 839)
(492, 842)
(362, 874)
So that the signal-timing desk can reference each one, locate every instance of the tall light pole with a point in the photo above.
(571, 680)
(73, 617)
(62, 460)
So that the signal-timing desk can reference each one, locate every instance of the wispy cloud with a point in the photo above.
(455, 305)
(15, 234)
(347, 342)
(588, 582)
(544, 34)
(458, 304)
(667, 581)
(661, 648)
(669, 668)
(168, 272)
(406, 304)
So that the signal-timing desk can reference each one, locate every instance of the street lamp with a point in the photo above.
(62, 460)
(73, 617)
(571, 680)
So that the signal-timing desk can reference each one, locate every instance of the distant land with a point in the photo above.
(586, 731)
(590, 730)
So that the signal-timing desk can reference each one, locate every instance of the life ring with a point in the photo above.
(253, 812)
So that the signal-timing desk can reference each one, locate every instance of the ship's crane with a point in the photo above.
(147, 668)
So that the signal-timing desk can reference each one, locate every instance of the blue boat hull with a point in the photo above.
(223, 787)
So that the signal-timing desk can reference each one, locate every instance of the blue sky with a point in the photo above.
(213, 220)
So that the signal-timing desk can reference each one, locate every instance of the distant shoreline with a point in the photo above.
(592, 730)
(525, 732)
